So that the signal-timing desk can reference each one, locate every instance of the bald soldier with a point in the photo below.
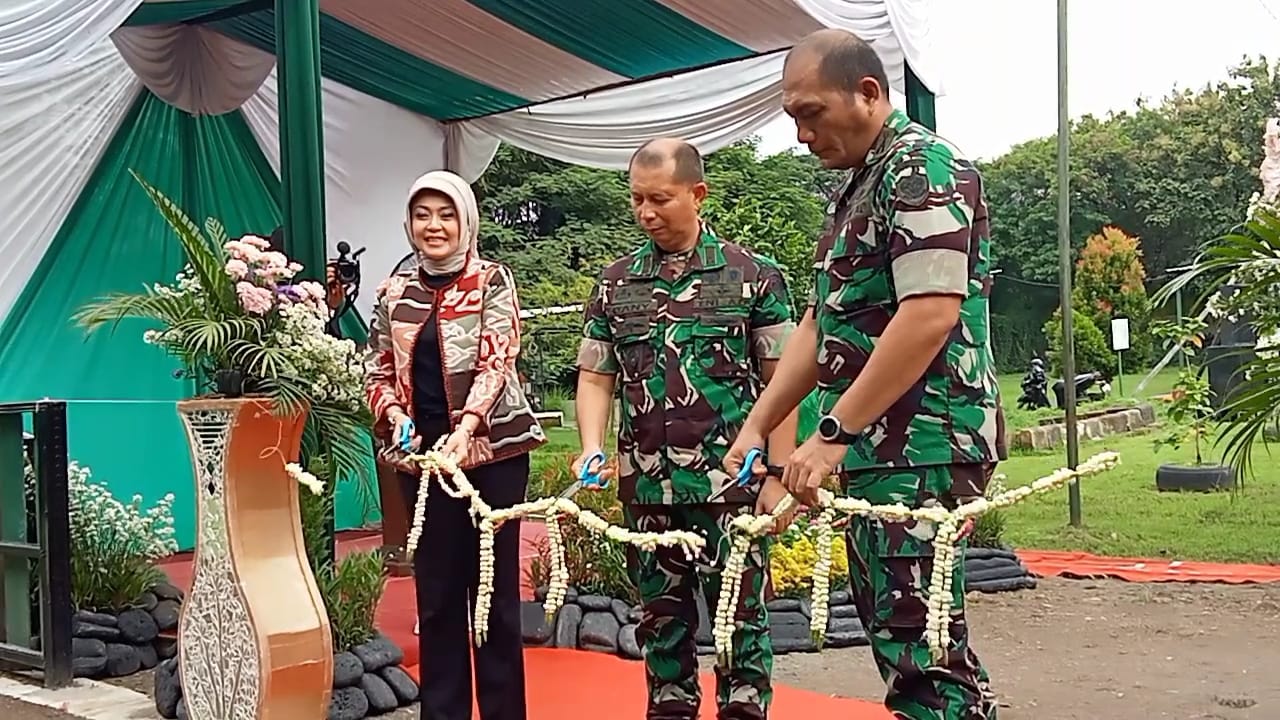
(687, 327)
(895, 340)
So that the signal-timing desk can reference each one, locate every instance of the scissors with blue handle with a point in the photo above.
(747, 473)
(406, 435)
(588, 477)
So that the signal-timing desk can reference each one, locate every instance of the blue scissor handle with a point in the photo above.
(406, 435)
(589, 477)
(746, 472)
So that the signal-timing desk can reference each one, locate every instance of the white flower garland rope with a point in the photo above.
(744, 530)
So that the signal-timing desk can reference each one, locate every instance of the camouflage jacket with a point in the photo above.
(911, 221)
(686, 340)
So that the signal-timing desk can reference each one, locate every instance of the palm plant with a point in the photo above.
(1247, 260)
(238, 329)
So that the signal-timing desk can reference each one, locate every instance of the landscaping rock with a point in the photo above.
(567, 622)
(166, 613)
(347, 670)
(599, 632)
(166, 648)
(595, 603)
(843, 611)
(166, 591)
(89, 666)
(137, 627)
(381, 698)
(839, 597)
(93, 618)
(348, 704)
(167, 690)
(148, 601)
(784, 605)
(401, 684)
(621, 611)
(636, 614)
(182, 710)
(628, 645)
(533, 624)
(122, 660)
(147, 656)
(378, 653)
(88, 647)
(83, 629)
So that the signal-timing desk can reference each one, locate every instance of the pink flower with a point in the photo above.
(243, 251)
(237, 269)
(295, 268)
(275, 259)
(255, 241)
(254, 300)
(313, 290)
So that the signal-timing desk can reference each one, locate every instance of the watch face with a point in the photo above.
(828, 428)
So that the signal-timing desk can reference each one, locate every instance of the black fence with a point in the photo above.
(35, 541)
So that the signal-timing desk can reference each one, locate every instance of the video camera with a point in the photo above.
(347, 267)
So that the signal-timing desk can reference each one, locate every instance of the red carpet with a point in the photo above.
(570, 684)
(1048, 563)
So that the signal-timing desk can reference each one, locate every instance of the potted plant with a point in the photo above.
(1190, 413)
(270, 384)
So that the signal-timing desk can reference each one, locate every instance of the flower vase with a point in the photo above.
(254, 641)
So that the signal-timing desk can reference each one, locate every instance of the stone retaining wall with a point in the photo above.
(1114, 422)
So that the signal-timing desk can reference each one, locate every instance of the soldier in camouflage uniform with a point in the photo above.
(895, 340)
(686, 328)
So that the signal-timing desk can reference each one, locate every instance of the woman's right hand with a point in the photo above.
(399, 420)
(600, 467)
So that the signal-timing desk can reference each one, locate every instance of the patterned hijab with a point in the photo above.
(464, 203)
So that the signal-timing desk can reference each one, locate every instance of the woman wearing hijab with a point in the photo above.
(442, 362)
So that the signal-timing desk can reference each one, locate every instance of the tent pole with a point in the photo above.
(302, 158)
(920, 101)
(1064, 268)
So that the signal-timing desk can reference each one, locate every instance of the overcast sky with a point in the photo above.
(1001, 55)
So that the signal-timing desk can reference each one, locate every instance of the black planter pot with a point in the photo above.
(1194, 478)
(233, 383)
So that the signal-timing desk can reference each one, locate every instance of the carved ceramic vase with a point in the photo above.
(254, 640)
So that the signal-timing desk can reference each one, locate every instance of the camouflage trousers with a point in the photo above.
(667, 581)
(889, 566)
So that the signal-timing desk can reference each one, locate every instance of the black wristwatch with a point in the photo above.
(831, 430)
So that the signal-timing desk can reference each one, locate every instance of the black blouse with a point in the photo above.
(429, 399)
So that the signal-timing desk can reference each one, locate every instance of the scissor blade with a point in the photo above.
(572, 490)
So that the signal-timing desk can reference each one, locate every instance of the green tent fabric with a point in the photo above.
(121, 419)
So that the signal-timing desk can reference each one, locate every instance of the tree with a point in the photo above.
(1176, 173)
(1109, 284)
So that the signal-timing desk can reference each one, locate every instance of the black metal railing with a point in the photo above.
(35, 528)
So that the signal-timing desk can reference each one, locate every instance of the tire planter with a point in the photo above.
(368, 681)
(1194, 478)
(602, 624)
(991, 570)
(120, 643)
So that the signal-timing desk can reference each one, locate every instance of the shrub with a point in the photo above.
(1093, 351)
(114, 545)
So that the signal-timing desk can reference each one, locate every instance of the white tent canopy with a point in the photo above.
(68, 70)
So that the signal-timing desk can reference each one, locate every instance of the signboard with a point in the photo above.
(1120, 334)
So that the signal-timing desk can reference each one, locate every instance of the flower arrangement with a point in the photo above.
(241, 323)
(114, 544)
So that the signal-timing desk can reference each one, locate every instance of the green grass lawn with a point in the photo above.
(1123, 515)
(1122, 512)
